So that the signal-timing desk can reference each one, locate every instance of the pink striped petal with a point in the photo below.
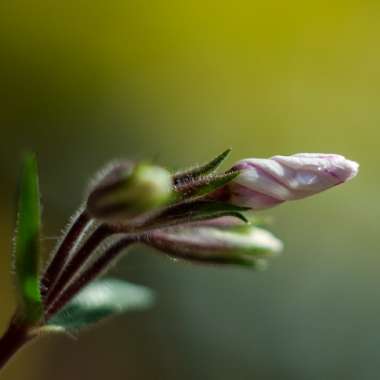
(264, 183)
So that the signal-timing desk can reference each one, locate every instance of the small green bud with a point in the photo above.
(130, 191)
(150, 186)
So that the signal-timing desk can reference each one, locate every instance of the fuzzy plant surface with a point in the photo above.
(196, 215)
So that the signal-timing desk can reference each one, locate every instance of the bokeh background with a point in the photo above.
(83, 82)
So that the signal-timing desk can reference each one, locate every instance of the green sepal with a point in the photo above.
(27, 242)
(204, 185)
(201, 170)
(195, 211)
(100, 300)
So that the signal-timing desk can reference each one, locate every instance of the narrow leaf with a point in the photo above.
(201, 170)
(204, 185)
(100, 300)
(27, 248)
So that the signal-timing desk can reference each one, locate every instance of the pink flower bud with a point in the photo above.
(265, 183)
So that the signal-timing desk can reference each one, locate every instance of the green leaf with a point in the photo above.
(27, 244)
(204, 185)
(195, 211)
(201, 170)
(100, 300)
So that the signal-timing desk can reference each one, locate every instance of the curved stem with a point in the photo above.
(89, 274)
(79, 258)
(60, 257)
(14, 338)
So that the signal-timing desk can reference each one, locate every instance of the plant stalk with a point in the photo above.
(60, 257)
(78, 259)
(99, 266)
(13, 339)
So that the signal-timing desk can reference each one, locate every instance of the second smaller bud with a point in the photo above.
(127, 190)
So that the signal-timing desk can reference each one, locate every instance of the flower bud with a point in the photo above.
(242, 245)
(126, 191)
(265, 183)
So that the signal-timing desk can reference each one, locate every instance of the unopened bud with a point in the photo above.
(128, 191)
(242, 245)
(265, 183)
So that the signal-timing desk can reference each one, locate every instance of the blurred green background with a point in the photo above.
(83, 82)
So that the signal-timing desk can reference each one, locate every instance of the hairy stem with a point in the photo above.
(60, 257)
(76, 262)
(94, 270)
